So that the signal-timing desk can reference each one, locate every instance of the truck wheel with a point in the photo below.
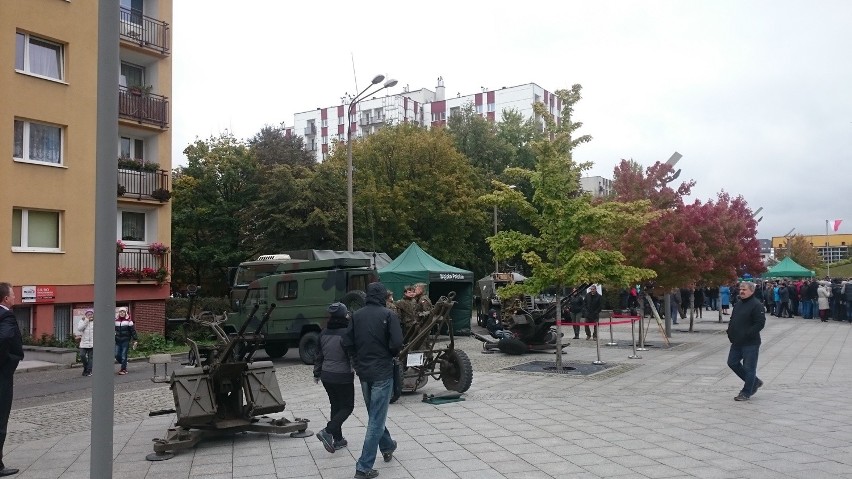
(513, 346)
(275, 350)
(354, 300)
(457, 372)
(308, 347)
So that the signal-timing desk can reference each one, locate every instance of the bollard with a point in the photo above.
(633, 334)
(641, 336)
(598, 345)
(611, 339)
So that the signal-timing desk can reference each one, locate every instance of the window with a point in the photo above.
(325, 140)
(455, 111)
(37, 142)
(341, 120)
(131, 148)
(479, 108)
(38, 57)
(491, 107)
(34, 230)
(131, 75)
(286, 290)
(133, 226)
(325, 123)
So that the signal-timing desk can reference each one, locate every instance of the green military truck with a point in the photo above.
(301, 290)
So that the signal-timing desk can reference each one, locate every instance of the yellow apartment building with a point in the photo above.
(831, 248)
(48, 79)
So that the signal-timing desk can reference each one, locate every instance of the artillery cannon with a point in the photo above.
(523, 330)
(222, 391)
(422, 357)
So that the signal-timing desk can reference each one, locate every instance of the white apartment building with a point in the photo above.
(322, 126)
(598, 186)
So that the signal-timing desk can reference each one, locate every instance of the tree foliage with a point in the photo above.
(211, 197)
(272, 146)
(559, 253)
(801, 251)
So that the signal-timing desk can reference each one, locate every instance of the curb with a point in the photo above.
(48, 367)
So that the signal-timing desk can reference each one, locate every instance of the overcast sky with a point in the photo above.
(756, 95)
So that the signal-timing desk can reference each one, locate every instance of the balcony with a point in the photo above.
(365, 120)
(311, 129)
(137, 264)
(142, 107)
(142, 30)
(144, 185)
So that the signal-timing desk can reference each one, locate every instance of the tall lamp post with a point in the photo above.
(350, 230)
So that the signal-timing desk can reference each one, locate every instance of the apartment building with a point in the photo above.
(48, 124)
(831, 248)
(322, 126)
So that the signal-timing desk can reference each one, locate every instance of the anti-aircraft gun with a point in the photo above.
(222, 391)
(422, 357)
(524, 330)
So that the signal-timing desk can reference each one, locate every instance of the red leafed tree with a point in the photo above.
(731, 236)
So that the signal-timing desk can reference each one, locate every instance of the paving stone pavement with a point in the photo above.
(670, 414)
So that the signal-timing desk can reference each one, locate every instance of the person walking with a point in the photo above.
(86, 336)
(592, 307)
(374, 339)
(747, 320)
(125, 330)
(575, 308)
(333, 367)
(674, 304)
(11, 353)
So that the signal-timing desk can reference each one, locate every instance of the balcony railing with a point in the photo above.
(143, 107)
(136, 263)
(143, 30)
(311, 129)
(143, 185)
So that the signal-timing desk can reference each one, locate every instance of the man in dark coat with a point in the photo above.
(747, 320)
(11, 353)
(593, 306)
(374, 339)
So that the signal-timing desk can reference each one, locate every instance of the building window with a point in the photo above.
(131, 148)
(34, 230)
(287, 290)
(479, 109)
(491, 107)
(341, 120)
(40, 57)
(37, 142)
(325, 123)
(325, 140)
(133, 226)
(131, 75)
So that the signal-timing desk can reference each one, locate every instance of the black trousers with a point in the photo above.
(342, 399)
(7, 376)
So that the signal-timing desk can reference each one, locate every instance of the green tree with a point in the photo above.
(519, 133)
(801, 251)
(477, 139)
(212, 196)
(272, 146)
(411, 184)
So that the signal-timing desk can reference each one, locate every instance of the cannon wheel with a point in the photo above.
(513, 346)
(457, 372)
(308, 347)
(275, 350)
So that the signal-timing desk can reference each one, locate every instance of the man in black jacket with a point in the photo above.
(11, 352)
(747, 320)
(374, 339)
(592, 308)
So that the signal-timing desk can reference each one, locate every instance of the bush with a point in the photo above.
(151, 343)
(50, 341)
(194, 331)
(177, 307)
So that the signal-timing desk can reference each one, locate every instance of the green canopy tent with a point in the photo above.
(416, 266)
(788, 268)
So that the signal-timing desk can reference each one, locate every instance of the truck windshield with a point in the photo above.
(250, 272)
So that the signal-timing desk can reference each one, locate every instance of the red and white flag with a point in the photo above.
(837, 225)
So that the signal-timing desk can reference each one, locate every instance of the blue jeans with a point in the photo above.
(807, 309)
(377, 399)
(849, 311)
(743, 362)
(121, 347)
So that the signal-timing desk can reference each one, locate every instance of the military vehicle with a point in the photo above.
(301, 289)
(485, 294)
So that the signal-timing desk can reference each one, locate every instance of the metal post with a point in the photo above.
(641, 320)
(106, 209)
(350, 228)
(611, 339)
(598, 344)
(633, 335)
(496, 262)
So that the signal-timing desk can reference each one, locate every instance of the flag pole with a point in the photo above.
(828, 253)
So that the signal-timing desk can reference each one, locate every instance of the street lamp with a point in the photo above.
(350, 231)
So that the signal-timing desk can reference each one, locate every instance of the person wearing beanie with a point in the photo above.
(125, 330)
(333, 367)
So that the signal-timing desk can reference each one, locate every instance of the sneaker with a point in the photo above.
(578, 337)
(366, 475)
(388, 455)
(327, 441)
(122, 372)
(741, 397)
(340, 444)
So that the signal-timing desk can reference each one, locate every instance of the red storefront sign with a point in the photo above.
(38, 294)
